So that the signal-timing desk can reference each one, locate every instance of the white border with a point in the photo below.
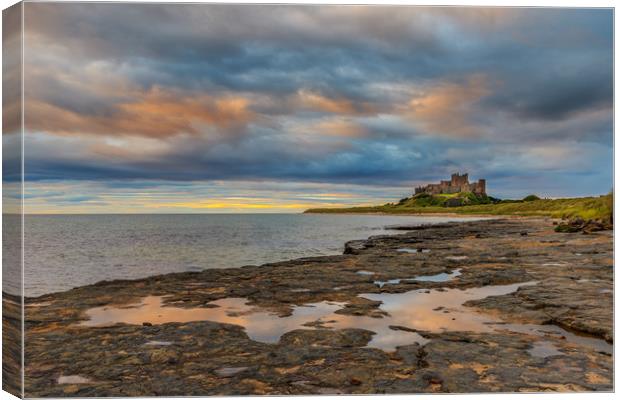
(488, 3)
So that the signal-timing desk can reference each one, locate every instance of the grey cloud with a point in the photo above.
(549, 72)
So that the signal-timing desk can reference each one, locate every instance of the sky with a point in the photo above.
(177, 108)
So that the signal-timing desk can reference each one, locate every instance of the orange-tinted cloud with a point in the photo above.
(12, 69)
(156, 113)
(447, 108)
(317, 102)
(483, 19)
(340, 127)
(11, 116)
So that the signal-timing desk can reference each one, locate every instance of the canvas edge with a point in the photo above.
(12, 201)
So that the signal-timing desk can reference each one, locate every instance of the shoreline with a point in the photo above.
(485, 254)
(385, 227)
(588, 208)
(433, 214)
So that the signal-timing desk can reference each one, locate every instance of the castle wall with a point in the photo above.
(457, 183)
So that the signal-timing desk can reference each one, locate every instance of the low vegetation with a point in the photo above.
(599, 208)
(445, 200)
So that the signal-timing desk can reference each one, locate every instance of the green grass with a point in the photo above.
(439, 200)
(584, 207)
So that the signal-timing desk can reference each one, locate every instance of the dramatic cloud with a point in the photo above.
(447, 108)
(318, 102)
(323, 95)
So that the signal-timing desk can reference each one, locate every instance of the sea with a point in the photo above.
(65, 251)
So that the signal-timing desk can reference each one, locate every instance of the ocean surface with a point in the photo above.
(64, 251)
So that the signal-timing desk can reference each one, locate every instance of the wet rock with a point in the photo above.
(327, 338)
(402, 328)
(433, 378)
(164, 356)
(361, 306)
(410, 355)
(318, 323)
(355, 246)
(596, 226)
(581, 225)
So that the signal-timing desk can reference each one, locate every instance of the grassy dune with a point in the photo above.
(584, 207)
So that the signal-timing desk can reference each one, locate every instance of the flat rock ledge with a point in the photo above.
(574, 290)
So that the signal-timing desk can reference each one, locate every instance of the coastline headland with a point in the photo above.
(596, 208)
(500, 305)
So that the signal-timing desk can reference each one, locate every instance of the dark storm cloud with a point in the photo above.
(334, 50)
(557, 97)
(309, 93)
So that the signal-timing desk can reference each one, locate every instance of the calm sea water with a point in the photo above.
(64, 251)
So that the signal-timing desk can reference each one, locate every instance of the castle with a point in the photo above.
(458, 183)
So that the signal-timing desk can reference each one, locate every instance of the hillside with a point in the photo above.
(445, 200)
(583, 207)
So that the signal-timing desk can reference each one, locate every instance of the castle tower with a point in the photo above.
(459, 180)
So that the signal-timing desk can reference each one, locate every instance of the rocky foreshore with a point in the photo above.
(546, 325)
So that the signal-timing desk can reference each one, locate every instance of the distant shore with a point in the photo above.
(600, 208)
(342, 211)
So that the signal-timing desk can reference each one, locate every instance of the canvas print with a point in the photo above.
(231, 199)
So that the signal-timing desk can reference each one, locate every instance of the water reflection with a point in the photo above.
(560, 333)
(417, 310)
(260, 325)
(407, 250)
(72, 379)
(388, 282)
(436, 311)
(158, 343)
(412, 250)
(544, 349)
(443, 277)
